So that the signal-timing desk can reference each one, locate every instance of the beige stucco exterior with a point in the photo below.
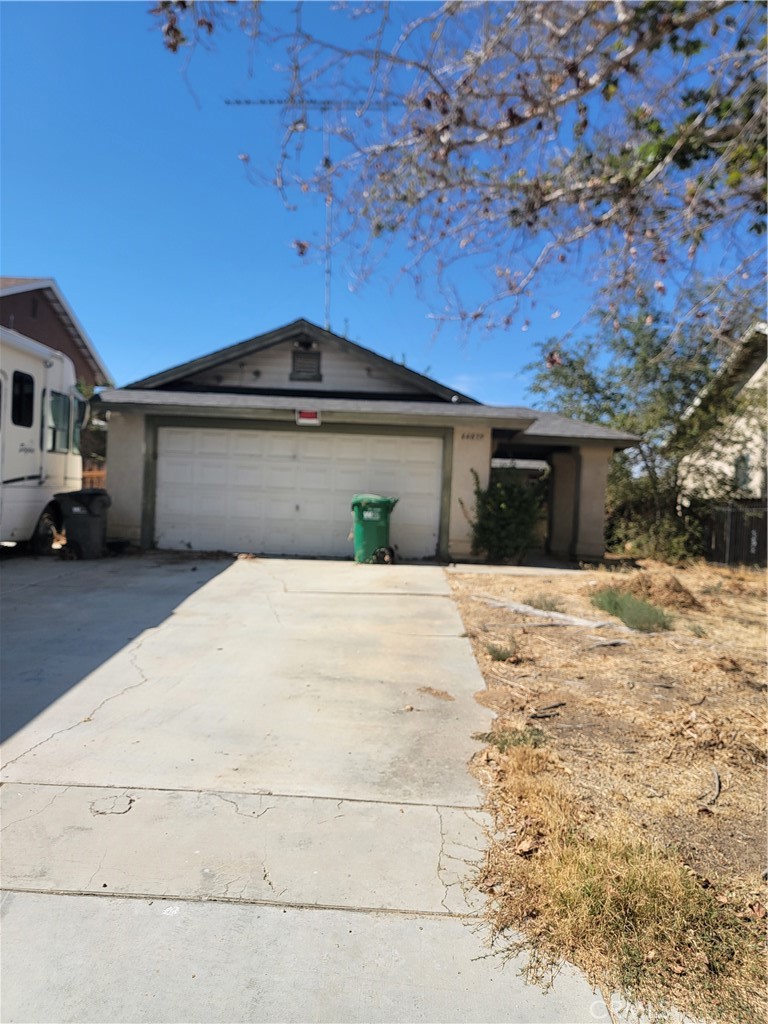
(125, 475)
(589, 520)
(471, 451)
(562, 502)
(577, 501)
(577, 495)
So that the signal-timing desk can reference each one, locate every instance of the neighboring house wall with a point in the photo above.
(734, 456)
(32, 315)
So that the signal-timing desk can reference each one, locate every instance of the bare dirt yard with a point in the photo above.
(645, 741)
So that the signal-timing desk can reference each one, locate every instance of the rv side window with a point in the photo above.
(58, 425)
(81, 411)
(23, 399)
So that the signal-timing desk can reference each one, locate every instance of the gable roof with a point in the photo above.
(737, 369)
(17, 285)
(300, 329)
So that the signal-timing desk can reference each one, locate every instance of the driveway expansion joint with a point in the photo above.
(244, 902)
(245, 793)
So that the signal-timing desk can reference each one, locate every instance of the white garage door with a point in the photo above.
(289, 492)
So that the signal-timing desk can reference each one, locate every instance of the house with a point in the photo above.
(730, 456)
(35, 308)
(260, 447)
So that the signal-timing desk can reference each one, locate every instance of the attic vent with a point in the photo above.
(305, 365)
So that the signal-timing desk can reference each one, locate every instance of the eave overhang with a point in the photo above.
(333, 410)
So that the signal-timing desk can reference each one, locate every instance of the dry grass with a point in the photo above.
(546, 602)
(633, 842)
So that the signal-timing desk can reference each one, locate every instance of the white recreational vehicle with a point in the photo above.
(41, 415)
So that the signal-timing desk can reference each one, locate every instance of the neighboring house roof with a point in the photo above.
(737, 370)
(262, 342)
(16, 285)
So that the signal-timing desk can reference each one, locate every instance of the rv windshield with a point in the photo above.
(81, 412)
(58, 422)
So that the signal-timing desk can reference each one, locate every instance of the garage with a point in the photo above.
(288, 492)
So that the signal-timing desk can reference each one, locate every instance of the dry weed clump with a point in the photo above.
(625, 910)
(663, 589)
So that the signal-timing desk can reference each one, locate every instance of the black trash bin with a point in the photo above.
(85, 521)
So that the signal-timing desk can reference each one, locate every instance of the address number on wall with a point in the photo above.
(469, 436)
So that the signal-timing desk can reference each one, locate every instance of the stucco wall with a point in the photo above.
(562, 502)
(471, 450)
(577, 502)
(125, 475)
(579, 489)
(589, 540)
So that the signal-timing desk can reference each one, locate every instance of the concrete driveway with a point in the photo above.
(218, 807)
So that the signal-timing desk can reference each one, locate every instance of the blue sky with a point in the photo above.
(120, 179)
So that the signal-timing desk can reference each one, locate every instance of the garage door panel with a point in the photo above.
(247, 442)
(351, 479)
(246, 473)
(280, 476)
(314, 478)
(179, 471)
(280, 445)
(289, 493)
(211, 472)
(280, 507)
(421, 449)
(178, 441)
(386, 449)
(213, 442)
(206, 503)
(317, 448)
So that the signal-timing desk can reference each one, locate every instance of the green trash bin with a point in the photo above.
(371, 514)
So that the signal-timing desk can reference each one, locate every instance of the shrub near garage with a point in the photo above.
(505, 517)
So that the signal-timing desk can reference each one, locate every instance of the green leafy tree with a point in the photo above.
(643, 377)
(531, 137)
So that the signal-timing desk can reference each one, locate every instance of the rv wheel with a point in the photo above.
(44, 535)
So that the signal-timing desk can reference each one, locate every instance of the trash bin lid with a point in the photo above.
(376, 500)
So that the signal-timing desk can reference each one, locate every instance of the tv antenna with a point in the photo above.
(323, 106)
